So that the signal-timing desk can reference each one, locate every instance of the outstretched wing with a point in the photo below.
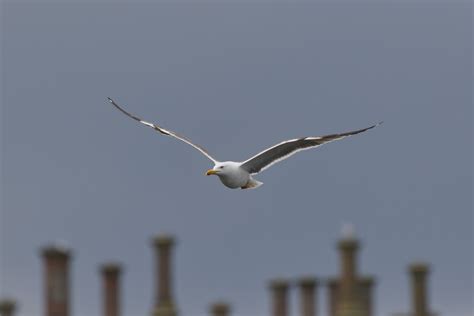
(164, 131)
(283, 150)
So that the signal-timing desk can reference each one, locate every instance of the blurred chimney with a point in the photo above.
(349, 302)
(279, 292)
(307, 287)
(164, 303)
(7, 307)
(348, 248)
(110, 273)
(333, 295)
(418, 272)
(220, 309)
(56, 280)
(364, 288)
(366, 285)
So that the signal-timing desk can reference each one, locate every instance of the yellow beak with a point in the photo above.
(211, 172)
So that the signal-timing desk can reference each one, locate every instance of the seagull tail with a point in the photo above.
(252, 184)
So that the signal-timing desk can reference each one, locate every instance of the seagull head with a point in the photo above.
(219, 169)
(222, 169)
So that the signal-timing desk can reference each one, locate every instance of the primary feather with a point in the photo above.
(286, 149)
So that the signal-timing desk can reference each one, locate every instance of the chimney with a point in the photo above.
(307, 287)
(365, 286)
(348, 248)
(349, 303)
(220, 309)
(7, 307)
(164, 303)
(279, 290)
(110, 273)
(418, 273)
(56, 280)
(333, 295)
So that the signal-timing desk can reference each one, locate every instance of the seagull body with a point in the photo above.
(235, 174)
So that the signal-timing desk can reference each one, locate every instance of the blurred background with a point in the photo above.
(83, 186)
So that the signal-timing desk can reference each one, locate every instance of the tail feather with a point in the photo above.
(252, 184)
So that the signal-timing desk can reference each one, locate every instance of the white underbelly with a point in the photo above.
(236, 181)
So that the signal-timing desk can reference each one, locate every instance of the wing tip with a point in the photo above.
(376, 124)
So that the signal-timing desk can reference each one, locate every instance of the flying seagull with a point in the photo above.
(239, 174)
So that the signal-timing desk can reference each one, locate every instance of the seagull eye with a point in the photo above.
(222, 167)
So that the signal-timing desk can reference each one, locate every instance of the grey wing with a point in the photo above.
(163, 131)
(286, 149)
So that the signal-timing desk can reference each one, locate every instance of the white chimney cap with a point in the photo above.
(348, 231)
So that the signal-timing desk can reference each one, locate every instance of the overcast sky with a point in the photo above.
(237, 78)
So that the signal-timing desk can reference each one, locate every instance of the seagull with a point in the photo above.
(235, 174)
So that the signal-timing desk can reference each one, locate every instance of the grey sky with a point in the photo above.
(237, 78)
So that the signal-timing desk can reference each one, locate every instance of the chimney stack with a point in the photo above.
(56, 280)
(279, 290)
(164, 303)
(307, 287)
(110, 273)
(366, 285)
(348, 248)
(418, 273)
(220, 309)
(349, 303)
(7, 307)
